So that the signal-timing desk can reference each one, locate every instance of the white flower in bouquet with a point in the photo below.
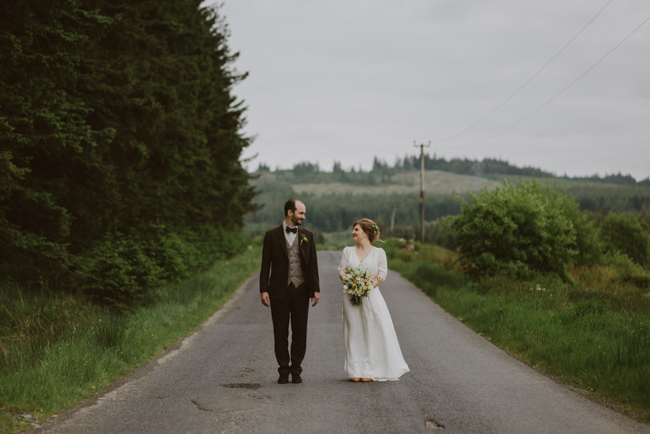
(358, 283)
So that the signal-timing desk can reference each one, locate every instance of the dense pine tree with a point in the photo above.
(119, 136)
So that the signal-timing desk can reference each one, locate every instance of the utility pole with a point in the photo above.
(422, 146)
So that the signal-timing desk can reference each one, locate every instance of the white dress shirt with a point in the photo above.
(290, 236)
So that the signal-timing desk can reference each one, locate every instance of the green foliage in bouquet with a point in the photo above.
(358, 283)
(522, 229)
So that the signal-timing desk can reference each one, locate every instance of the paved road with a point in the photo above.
(222, 379)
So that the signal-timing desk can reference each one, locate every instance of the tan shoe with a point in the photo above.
(365, 380)
(355, 379)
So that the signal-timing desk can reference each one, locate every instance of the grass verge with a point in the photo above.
(57, 350)
(594, 335)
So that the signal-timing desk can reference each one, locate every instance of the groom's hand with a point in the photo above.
(315, 298)
(265, 299)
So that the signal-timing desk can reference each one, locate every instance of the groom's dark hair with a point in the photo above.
(291, 206)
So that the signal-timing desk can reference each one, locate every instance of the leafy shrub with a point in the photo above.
(439, 233)
(623, 233)
(120, 271)
(124, 269)
(621, 262)
(172, 253)
(588, 244)
(521, 229)
(217, 243)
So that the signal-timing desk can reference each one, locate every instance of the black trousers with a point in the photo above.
(292, 309)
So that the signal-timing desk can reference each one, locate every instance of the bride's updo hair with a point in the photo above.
(370, 228)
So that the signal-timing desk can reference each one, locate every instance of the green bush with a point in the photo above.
(621, 262)
(439, 233)
(522, 229)
(588, 245)
(173, 254)
(125, 269)
(623, 233)
(120, 271)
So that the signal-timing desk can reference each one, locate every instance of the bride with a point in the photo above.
(372, 352)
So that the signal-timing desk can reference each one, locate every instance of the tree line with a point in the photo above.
(335, 211)
(119, 144)
(381, 171)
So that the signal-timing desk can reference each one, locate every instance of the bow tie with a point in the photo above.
(294, 230)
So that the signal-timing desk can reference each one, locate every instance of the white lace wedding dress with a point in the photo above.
(371, 346)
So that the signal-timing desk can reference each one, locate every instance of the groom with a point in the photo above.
(288, 280)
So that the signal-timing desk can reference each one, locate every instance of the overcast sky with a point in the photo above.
(348, 80)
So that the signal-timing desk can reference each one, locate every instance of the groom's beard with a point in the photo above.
(296, 222)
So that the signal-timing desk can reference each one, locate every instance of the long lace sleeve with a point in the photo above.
(382, 265)
(343, 265)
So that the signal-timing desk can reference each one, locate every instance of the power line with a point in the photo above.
(528, 81)
(563, 90)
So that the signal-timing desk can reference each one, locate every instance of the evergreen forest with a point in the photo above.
(120, 144)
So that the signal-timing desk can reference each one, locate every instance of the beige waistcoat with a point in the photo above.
(296, 276)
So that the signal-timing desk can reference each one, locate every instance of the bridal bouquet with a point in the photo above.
(358, 283)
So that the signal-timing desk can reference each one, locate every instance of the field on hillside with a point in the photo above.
(336, 200)
(435, 182)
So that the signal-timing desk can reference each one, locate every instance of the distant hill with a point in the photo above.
(382, 172)
(336, 199)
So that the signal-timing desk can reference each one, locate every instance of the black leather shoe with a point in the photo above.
(295, 378)
(284, 379)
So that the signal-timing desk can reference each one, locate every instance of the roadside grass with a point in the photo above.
(57, 350)
(594, 335)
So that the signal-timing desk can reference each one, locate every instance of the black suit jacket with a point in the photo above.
(275, 262)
